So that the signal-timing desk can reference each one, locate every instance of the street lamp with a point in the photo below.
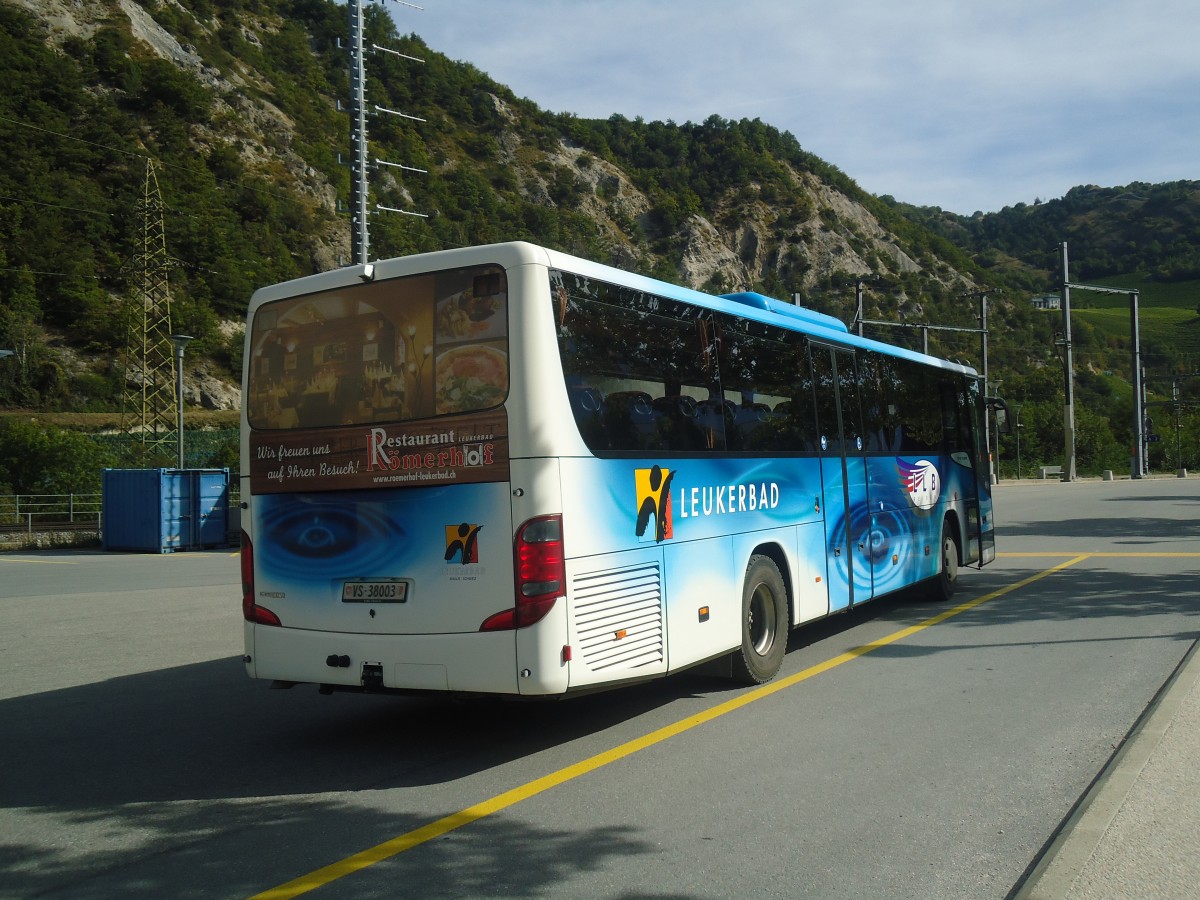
(1019, 427)
(1178, 424)
(180, 341)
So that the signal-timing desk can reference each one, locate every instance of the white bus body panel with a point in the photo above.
(810, 581)
(618, 624)
(438, 662)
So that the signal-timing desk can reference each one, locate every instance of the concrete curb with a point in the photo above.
(1060, 865)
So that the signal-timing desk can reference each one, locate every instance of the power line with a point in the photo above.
(93, 212)
(67, 136)
(60, 274)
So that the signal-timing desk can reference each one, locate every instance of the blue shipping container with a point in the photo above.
(163, 510)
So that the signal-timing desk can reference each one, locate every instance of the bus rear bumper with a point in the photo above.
(468, 663)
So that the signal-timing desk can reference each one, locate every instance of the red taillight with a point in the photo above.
(541, 574)
(251, 611)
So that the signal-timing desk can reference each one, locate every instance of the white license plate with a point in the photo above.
(374, 591)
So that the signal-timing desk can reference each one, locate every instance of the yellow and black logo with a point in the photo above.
(654, 499)
(463, 541)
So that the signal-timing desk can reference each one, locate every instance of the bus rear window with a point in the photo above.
(387, 351)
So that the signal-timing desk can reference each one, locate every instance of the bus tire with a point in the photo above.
(764, 623)
(946, 581)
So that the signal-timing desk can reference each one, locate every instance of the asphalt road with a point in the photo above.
(906, 750)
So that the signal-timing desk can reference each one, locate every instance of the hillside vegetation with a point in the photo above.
(236, 104)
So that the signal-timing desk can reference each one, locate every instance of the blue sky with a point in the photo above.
(953, 103)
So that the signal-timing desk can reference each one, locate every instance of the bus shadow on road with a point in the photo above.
(1074, 595)
(274, 841)
(206, 732)
(119, 777)
(1176, 524)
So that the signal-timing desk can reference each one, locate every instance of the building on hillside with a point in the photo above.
(1046, 301)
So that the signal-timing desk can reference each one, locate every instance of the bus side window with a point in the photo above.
(952, 432)
(587, 405)
(750, 418)
(631, 422)
(871, 397)
(679, 421)
(888, 421)
(716, 416)
(646, 373)
(765, 377)
(919, 408)
(825, 390)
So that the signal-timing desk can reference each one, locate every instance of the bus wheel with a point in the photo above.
(946, 580)
(764, 623)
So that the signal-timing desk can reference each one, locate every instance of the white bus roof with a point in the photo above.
(518, 253)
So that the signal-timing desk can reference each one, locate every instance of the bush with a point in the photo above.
(39, 460)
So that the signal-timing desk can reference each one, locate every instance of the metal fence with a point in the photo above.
(65, 512)
(50, 512)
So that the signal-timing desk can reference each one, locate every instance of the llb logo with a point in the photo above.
(463, 541)
(653, 488)
(922, 483)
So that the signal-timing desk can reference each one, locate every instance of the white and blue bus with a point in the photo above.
(505, 470)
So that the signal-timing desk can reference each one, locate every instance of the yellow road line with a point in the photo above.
(40, 562)
(454, 821)
(1122, 555)
(1130, 554)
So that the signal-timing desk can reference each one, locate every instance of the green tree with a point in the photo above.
(39, 460)
(19, 332)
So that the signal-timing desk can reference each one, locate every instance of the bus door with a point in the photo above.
(844, 477)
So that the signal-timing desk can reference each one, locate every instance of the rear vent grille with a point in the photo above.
(619, 617)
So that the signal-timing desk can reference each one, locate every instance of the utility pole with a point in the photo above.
(1139, 467)
(360, 238)
(994, 465)
(1068, 473)
(1175, 396)
(359, 232)
(1137, 375)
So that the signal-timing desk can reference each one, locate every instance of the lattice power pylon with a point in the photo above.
(149, 398)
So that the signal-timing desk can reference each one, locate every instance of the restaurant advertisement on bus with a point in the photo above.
(393, 383)
(461, 450)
